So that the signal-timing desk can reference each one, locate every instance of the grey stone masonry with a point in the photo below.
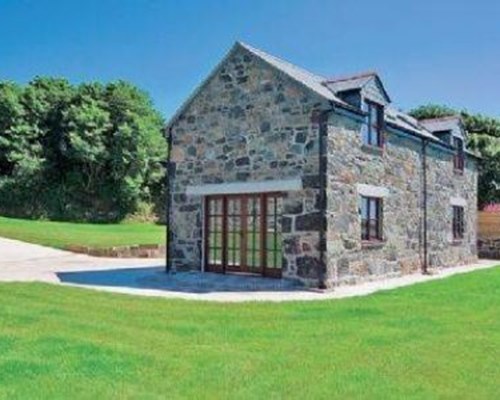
(397, 168)
(250, 123)
(255, 119)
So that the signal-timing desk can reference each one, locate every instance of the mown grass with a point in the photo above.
(434, 340)
(65, 234)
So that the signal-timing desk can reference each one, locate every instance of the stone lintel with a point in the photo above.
(372, 191)
(285, 185)
(458, 201)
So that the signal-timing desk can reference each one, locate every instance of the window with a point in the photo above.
(458, 222)
(371, 218)
(458, 160)
(373, 135)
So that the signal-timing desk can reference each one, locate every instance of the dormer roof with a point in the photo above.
(452, 124)
(357, 81)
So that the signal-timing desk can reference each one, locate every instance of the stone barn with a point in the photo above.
(277, 171)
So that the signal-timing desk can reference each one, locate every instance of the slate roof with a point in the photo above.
(327, 87)
(406, 122)
(448, 123)
(324, 88)
(308, 79)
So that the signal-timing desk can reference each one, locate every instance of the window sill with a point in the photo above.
(372, 149)
(457, 242)
(372, 244)
(458, 171)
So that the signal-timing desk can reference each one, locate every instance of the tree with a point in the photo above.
(484, 138)
(87, 152)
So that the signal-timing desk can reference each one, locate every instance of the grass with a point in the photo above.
(434, 340)
(65, 234)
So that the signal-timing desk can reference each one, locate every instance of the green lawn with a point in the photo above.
(433, 340)
(64, 234)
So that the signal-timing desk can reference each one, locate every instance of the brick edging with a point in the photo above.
(134, 251)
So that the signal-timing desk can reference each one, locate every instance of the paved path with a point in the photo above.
(26, 262)
(21, 261)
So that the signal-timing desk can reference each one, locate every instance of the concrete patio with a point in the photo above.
(23, 262)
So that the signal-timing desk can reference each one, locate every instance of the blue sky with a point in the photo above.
(426, 51)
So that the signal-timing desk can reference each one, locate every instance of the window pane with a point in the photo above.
(458, 222)
(373, 229)
(366, 135)
(374, 137)
(371, 135)
(371, 210)
(364, 207)
(374, 113)
(364, 229)
(374, 208)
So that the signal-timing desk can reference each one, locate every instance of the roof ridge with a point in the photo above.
(358, 75)
(443, 118)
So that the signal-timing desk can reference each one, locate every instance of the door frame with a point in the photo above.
(262, 269)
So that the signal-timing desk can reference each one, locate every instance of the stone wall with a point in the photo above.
(444, 184)
(134, 251)
(248, 123)
(398, 168)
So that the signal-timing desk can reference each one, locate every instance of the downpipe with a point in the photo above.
(168, 204)
(425, 265)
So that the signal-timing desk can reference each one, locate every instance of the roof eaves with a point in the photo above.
(418, 134)
(444, 118)
(473, 154)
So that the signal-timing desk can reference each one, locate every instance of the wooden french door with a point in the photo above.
(243, 234)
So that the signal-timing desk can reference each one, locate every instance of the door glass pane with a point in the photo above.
(234, 206)
(270, 257)
(253, 258)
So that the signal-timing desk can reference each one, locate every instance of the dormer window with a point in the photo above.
(459, 159)
(373, 135)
